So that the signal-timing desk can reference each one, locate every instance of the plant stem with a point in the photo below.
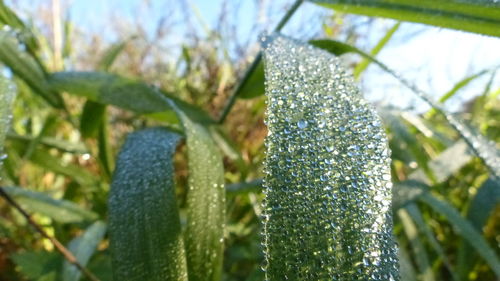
(232, 99)
(60, 247)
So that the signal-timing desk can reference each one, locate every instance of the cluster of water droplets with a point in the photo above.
(327, 207)
(7, 95)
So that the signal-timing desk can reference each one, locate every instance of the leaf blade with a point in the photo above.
(144, 225)
(472, 16)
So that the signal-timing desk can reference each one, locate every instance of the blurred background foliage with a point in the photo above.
(61, 154)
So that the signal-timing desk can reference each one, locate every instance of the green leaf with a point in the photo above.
(456, 88)
(83, 247)
(123, 92)
(91, 118)
(327, 177)
(50, 142)
(380, 45)
(38, 266)
(481, 17)
(144, 226)
(111, 54)
(481, 207)
(26, 68)
(205, 203)
(59, 210)
(7, 96)
(253, 85)
(423, 227)
(465, 229)
(417, 246)
(75, 172)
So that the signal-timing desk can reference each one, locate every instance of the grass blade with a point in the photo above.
(481, 17)
(83, 247)
(119, 91)
(415, 214)
(417, 246)
(59, 210)
(205, 203)
(480, 209)
(374, 52)
(26, 68)
(327, 184)
(465, 229)
(144, 226)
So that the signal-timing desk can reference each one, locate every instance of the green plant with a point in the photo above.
(173, 224)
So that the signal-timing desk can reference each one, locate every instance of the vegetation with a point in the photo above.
(140, 169)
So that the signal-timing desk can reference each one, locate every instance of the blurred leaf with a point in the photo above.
(481, 207)
(122, 92)
(206, 208)
(253, 85)
(9, 18)
(417, 246)
(91, 118)
(144, 226)
(59, 210)
(406, 269)
(62, 145)
(26, 68)
(106, 157)
(100, 265)
(445, 164)
(465, 229)
(83, 247)
(75, 172)
(423, 227)
(38, 266)
(111, 54)
(374, 52)
(459, 85)
(481, 17)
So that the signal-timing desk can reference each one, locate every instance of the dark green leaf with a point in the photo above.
(111, 54)
(123, 92)
(144, 226)
(481, 17)
(91, 118)
(59, 210)
(205, 204)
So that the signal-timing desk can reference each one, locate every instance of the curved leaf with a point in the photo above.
(59, 210)
(327, 212)
(205, 203)
(481, 17)
(144, 226)
(26, 68)
(123, 92)
(83, 247)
